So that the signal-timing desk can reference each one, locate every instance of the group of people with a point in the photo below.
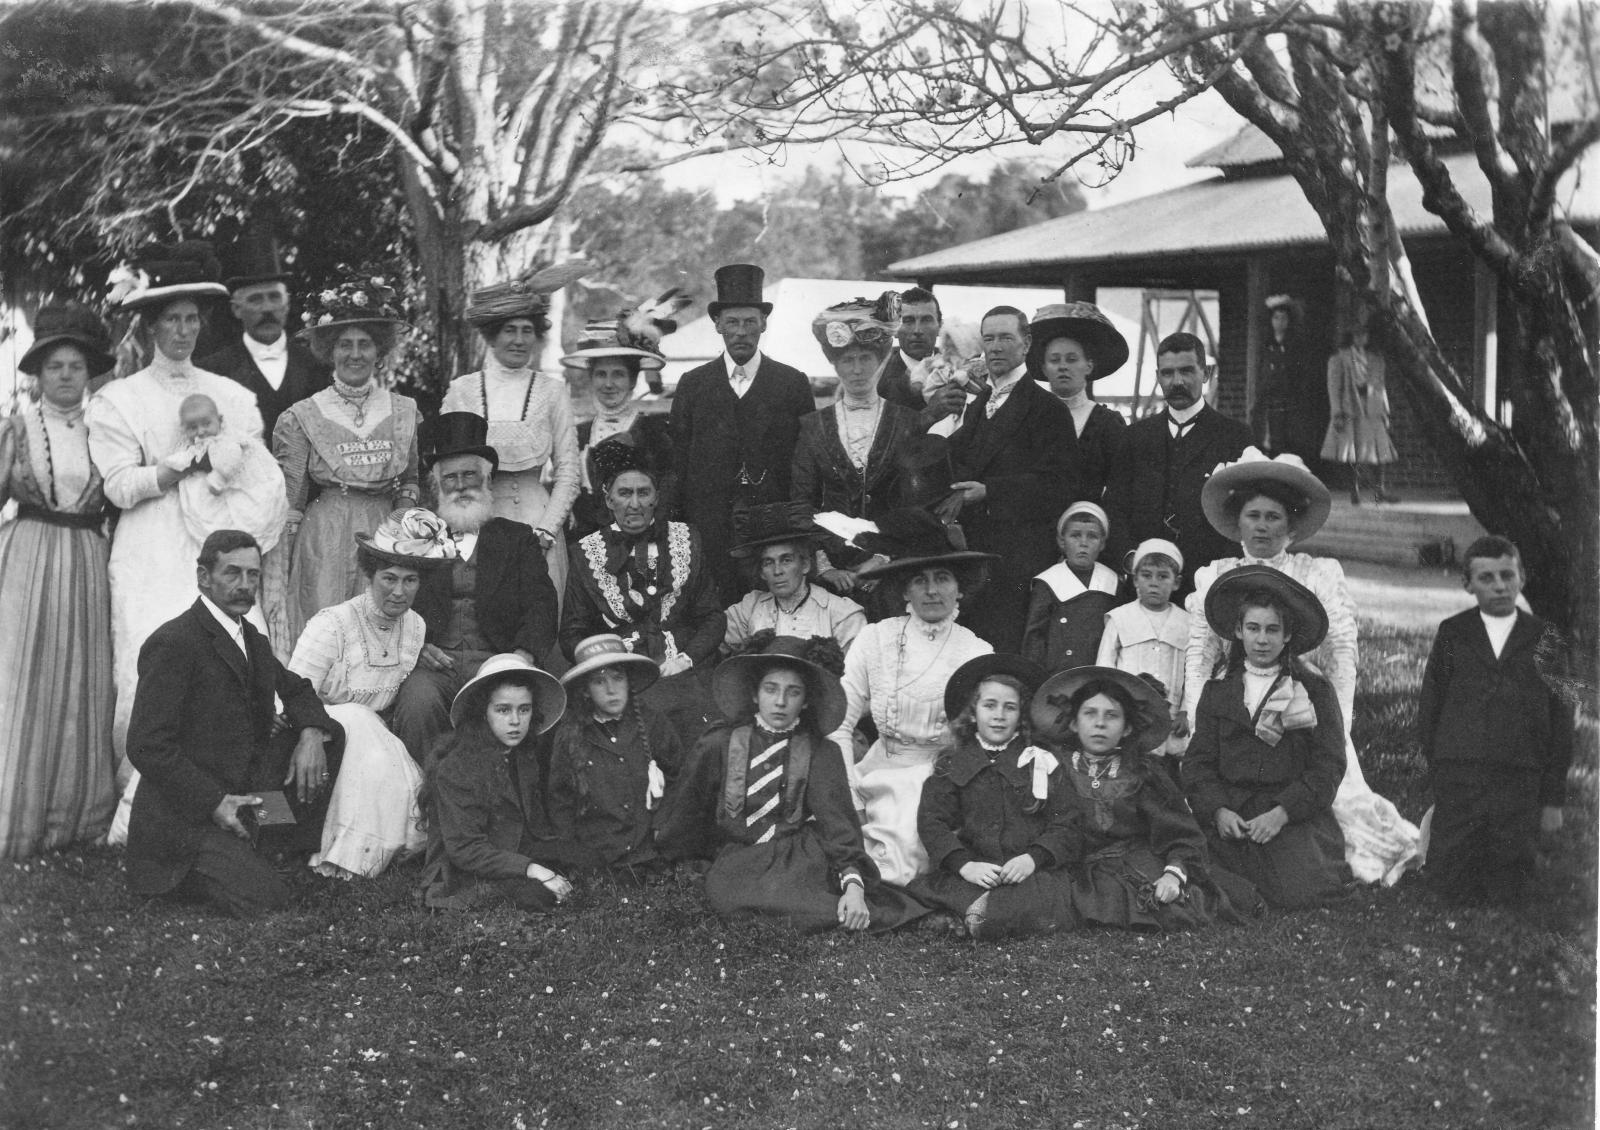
(924, 650)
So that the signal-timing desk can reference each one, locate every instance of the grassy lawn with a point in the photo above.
(636, 1008)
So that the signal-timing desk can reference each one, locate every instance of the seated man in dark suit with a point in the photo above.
(1166, 460)
(497, 596)
(202, 737)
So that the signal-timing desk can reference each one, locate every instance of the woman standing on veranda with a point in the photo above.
(531, 424)
(1358, 409)
(56, 759)
(348, 452)
(133, 425)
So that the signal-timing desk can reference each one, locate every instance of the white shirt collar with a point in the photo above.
(260, 351)
(234, 628)
(750, 366)
(1184, 415)
(1005, 384)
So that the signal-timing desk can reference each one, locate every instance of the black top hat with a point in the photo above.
(255, 260)
(739, 284)
(454, 433)
(926, 471)
(771, 523)
(68, 325)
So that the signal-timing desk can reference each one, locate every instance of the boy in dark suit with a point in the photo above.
(201, 736)
(1496, 737)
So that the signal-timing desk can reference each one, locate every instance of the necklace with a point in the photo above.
(892, 713)
(355, 401)
(1099, 768)
(377, 632)
(49, 461)
(799, 604)
(527, 397)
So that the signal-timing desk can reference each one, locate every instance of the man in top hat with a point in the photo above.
(1014, 478)
(905, 379)
(264, 359)
(781, 540)
(497, 597)
(1166, 459)
(735, 420)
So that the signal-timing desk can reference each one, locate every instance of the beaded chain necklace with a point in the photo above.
(527, 397)
(357, 402)
(892, 712)
(375, 634)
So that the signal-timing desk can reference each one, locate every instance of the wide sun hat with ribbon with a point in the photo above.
(867, 322)
(549, 696)
(971, 674)
(1051, 709)
(1084, 323)
(734, 682)
(415, 538)
(1228, 592)
(608, 650)
(163, 273)
(68, 325)
(1243, 477)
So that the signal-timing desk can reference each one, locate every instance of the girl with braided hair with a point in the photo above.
(612, 763)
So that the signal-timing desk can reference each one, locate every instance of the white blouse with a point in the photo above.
(351, 652)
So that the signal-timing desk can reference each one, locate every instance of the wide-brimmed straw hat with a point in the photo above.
(608, 650)
(1051, 708)
(548, 694)
(68, 325)
(524, 297)
(600, 340)
(413, 537)
(971, 674)
(1085, 324)
(163, 273)
(868, 322)
(914, 540)
(1229, 590)
(734, 682)
(1244, 477)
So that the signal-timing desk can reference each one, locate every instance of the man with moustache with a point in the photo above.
(905, 376)
(1166, 459)
(735, 421)
(206, 744)
(497, 597)
(1015, 479)
(264, 359)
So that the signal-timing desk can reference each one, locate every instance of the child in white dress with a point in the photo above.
(1149, 635)
(242, 485)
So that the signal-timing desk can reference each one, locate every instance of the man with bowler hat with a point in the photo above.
(496, 597)
(263, 358)
(735, 420)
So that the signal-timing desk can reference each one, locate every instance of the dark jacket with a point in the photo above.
(514, 600)
(824, 479)
(975, 810)
(1141, 805)
(1020, 458)
(1097, 453)
(303, 375)
(717, 437)
(894, 384)
(1228, 766)
(596, 791)
(1161, 478)
(479, 804)
(653, 436)
(1490, 713)
(695, 619)
(201, 729)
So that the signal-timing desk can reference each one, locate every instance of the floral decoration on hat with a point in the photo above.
(860, 321)
(360, 296)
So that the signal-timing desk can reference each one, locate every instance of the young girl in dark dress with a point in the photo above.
(1268, 749)
(1143, 861)
(766, 795)
(480, 793)
(991, 816)
(612, 761)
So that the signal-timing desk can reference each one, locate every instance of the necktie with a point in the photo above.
(1182, 428)
(996, 401)
(740, 379)
(765, 782)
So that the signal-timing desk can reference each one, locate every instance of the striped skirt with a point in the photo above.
(56, 694)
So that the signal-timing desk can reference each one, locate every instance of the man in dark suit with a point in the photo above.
(1015, 479)
(279, 370)
(921, 320)
(202, 737)
(1166, 459)
(735, 420)
(496, 598)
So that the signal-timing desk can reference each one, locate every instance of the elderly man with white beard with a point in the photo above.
(497, 597)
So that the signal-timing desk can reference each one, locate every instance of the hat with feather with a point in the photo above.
(524, 297)
(163, 272)
(864, 322)
(619, 455)
(819, 659)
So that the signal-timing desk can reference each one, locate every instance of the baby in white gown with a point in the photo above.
(237, 485)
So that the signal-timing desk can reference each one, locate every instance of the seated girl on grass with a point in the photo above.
(1268, 749)
(766, 795)
(991, 816)
(481, 793)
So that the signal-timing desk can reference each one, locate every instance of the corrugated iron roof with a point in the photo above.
(1208, 217)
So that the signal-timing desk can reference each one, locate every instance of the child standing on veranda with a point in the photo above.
(1149, 635)
(1069, 601)
(1497, 739)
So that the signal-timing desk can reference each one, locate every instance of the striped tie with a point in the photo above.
(765, 778)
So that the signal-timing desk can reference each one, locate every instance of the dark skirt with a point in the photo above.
(790, 878)
(1033, 906)
(685, 699)
(1301, 866)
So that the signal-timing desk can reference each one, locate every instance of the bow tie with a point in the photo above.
(620, 547)
(279, 348)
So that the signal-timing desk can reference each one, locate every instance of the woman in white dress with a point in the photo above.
(133, 425)
(531, 425)
(1268, 504)
(896, 672)
(357, 654)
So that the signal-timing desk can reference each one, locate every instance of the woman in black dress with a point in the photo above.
(1074, 345)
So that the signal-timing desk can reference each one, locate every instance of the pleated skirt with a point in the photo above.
(57, 762)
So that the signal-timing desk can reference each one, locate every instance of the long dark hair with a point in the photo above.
(1138, 719)
(473, 736)
(1291, 663)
